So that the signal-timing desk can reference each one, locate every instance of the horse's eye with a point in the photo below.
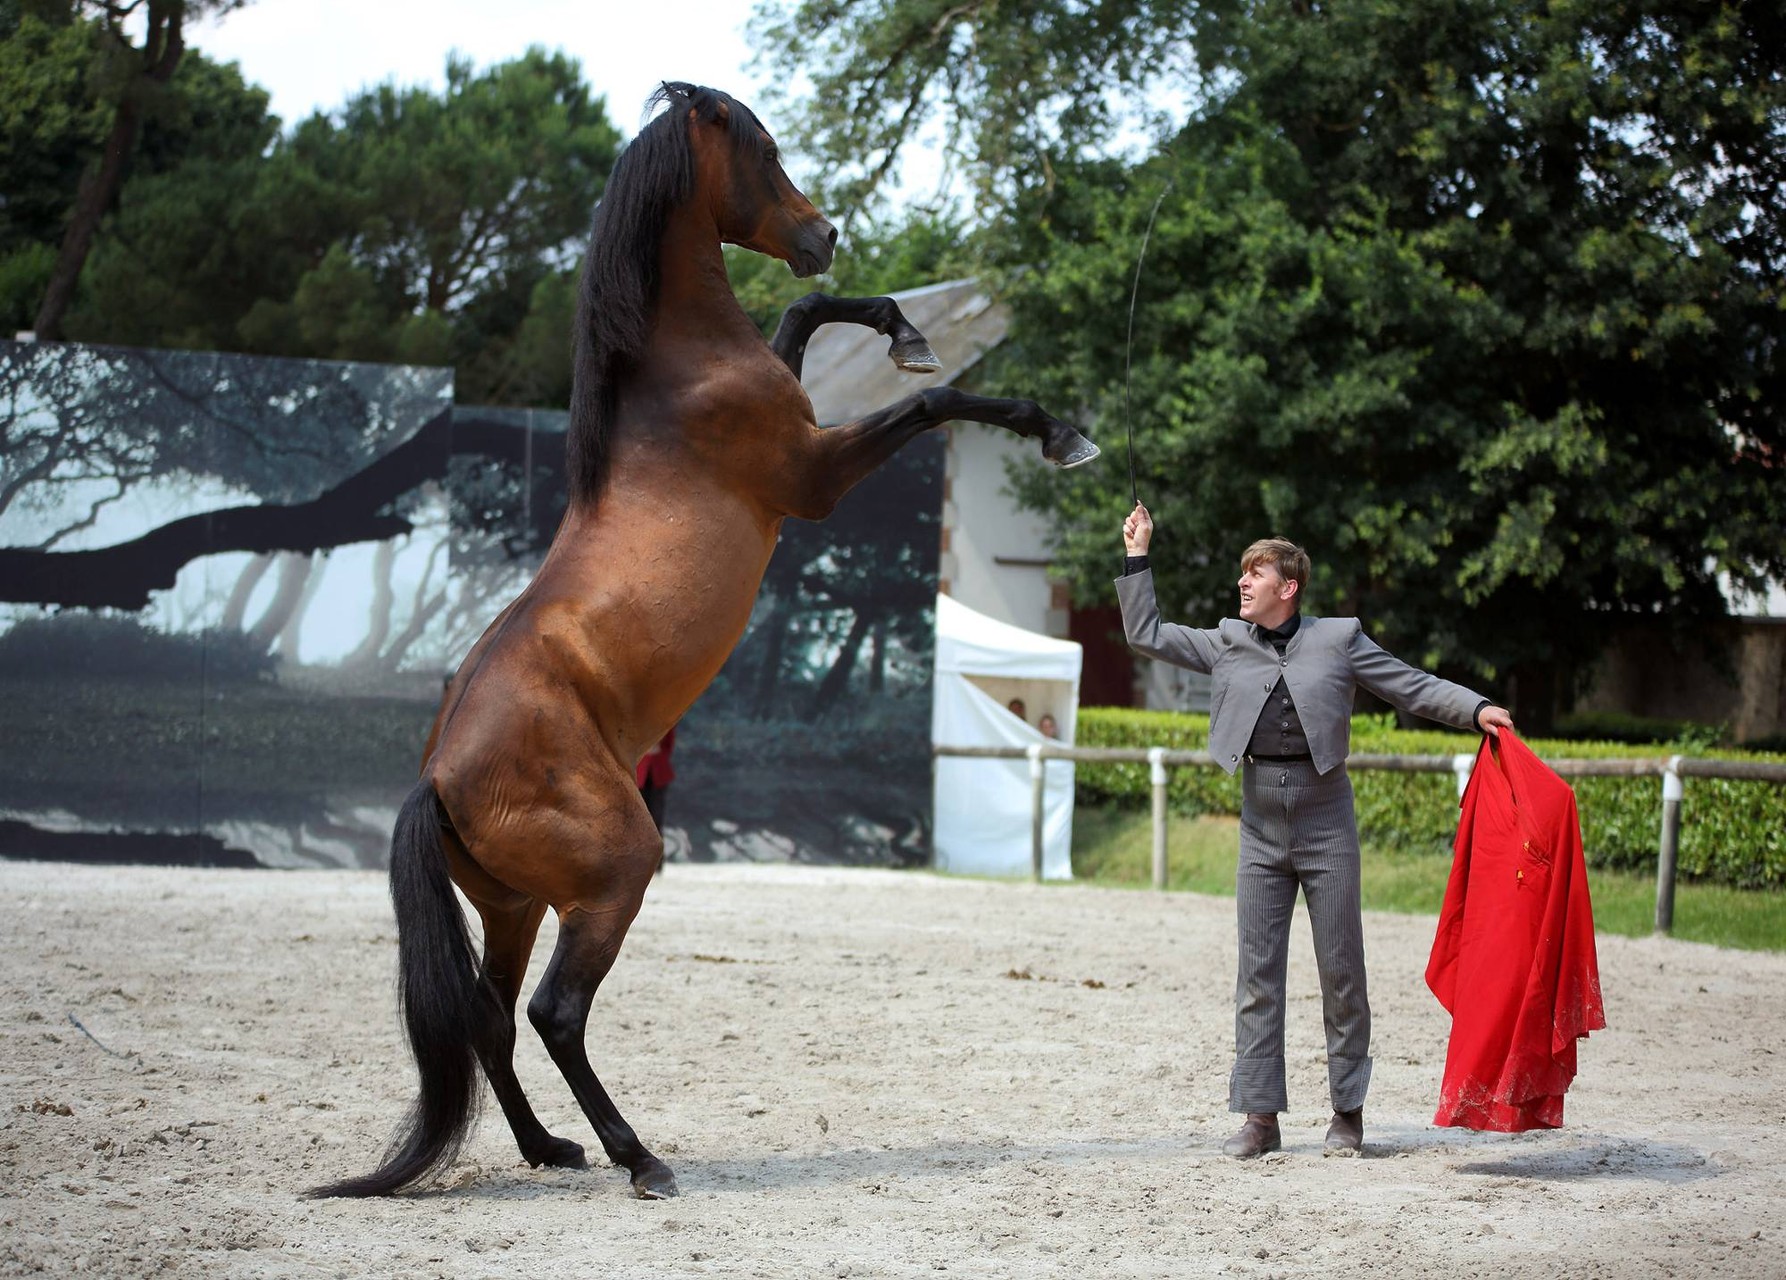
(772, 153)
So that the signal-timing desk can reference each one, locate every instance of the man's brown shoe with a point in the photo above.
(1345, 1136)
(1257, 1136)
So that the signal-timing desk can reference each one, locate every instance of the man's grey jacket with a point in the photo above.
(1324, 663)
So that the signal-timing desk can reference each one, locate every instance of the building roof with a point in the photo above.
(847, 373)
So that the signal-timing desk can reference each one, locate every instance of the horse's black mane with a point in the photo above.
(618, 293)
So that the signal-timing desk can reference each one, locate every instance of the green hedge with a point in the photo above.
(1732, 832)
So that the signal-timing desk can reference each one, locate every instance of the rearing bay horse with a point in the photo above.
(690, 442)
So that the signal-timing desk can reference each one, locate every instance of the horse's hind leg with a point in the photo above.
(908, 349)
(588, 941)
(508, 941)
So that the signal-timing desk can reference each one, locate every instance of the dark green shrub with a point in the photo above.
(1732, 832)
(1188, 791)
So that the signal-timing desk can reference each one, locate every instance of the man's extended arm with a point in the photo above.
(1147, 635)
(1419, 692)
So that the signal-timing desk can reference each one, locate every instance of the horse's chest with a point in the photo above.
(740, 400)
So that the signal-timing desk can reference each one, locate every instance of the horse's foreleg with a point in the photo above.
(801, 320)
(588, 942)
(508, 941)
(848, 453)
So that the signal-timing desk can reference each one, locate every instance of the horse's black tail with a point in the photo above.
(444, 998)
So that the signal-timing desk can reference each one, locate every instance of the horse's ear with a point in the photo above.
(722, 112)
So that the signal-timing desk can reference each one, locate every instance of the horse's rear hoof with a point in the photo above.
(652, 1180)
(914, 356)
(1067, 448)
(559, 1153)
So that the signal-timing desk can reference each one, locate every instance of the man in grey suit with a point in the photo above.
(1280, 709)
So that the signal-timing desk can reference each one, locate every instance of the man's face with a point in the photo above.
(1266, 596)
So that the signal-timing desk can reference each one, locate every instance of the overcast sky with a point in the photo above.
(313, 54)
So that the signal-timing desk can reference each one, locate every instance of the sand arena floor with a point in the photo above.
(853, 1073)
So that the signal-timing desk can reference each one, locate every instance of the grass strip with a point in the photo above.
(1114, 845)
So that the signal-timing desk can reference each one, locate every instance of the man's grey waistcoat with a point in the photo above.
(1324, 663)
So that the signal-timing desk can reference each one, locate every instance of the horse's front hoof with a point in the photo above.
(914, 355)
(652, 1180)
(1065, 448)
(559, 1153)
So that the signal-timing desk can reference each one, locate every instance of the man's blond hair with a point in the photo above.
(1290, 560)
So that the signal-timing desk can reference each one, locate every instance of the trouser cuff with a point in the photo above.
(1257, 1084)
(1348, 1080)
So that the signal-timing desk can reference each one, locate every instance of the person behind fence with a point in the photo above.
(654, 774)
(1282, 686)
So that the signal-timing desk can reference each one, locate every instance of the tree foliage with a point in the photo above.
(130, 84)
(1478, 300)
(421, 227)
(425, 226)
(1013, 88)
(437, 226)
(50, 127)
(177, 264)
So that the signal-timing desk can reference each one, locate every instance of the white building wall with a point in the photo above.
(995, 557)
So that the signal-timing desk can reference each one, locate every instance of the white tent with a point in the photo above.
(983, 806)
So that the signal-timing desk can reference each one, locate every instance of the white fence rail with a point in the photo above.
(1670, 769)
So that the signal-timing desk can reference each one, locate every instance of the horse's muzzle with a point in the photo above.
(818, 244)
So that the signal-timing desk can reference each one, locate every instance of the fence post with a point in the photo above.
(1461, 765)
(1038, 778)
(1671, 836)
(1156, 774)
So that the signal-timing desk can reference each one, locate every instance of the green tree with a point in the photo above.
(196, 152)
(178, 263)
(131, 81)
(1012, 87)
(50, 126)
(439, 228)
(1478, 300)
(415, 226)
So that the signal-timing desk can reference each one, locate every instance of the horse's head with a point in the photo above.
(738, 168)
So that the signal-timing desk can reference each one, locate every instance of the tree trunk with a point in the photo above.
(286, 646)
(162, 47)
(877, 657)
(837, 679)
(424, 613)
(769, 675)
(294, 573)
(235, 612)
(422, 610)
(378, 616)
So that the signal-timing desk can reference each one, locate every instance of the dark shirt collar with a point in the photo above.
(1281, 635)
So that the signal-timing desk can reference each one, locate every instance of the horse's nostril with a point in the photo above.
(832, 238)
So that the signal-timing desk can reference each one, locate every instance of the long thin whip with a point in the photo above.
(1129, 346)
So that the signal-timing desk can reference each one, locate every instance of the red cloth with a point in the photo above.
(1514, 960)
(654, 766)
